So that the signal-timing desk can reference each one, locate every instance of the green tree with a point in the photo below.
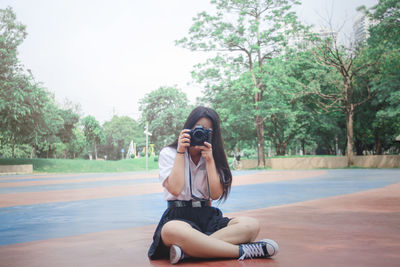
(93, 132)
(386, 27)
(77, 145)
(383, 46)
(12, 34)
(230, 100)
(284, 112)
(12, 83)
(343, 66)
(70, 115)
(28, 114)
(165, 109)
(249, 33)
(47, 125)
(328, 131)
(119, 132)
(325, 127)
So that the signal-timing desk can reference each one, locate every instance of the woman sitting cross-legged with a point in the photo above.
(194, 171)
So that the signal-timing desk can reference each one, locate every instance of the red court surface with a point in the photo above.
(356, 229)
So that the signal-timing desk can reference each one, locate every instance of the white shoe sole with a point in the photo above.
(175, 254)
(272, 247)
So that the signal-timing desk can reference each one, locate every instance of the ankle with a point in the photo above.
(265, 248)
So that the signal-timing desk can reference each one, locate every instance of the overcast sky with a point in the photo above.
(106, 55)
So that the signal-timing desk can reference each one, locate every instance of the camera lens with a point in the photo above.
(199, 135)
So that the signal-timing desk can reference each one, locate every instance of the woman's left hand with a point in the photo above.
(206, 151)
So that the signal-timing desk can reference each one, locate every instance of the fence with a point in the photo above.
(26, 168)
(376, 161)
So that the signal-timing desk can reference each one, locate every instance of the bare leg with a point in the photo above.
(195, 243)
(239, 230)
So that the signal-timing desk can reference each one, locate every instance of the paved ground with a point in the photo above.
(319, 217)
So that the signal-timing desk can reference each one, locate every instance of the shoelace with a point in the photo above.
(252, 250)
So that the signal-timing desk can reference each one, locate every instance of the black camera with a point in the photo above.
(199, 135)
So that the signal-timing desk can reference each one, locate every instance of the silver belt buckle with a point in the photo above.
(196, 204)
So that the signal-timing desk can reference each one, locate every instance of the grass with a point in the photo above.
(303, 156)
(230, 159)
(84, 166)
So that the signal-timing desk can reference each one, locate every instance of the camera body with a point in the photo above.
(199, 135)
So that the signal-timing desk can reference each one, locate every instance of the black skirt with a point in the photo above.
(206, 220)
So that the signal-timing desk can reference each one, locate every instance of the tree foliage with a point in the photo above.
(119, 132)
(166, 110)
(383, 45)
(284, 111)
(250, 32)
(93, 132)
(28, 113)
(12, 34)
(267, 91)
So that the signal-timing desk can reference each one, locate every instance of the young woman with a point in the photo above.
(192, 175)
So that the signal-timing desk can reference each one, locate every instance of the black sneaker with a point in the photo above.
(175, 254)
(265, 248)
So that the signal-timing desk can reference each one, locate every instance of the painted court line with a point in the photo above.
(43, 221)
(65, 185)
(97, 176)
(76, 182)
(140, 174)
(322, 232)
(31, 198)
(240, 177)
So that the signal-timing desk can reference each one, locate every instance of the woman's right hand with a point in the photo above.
(183, 140)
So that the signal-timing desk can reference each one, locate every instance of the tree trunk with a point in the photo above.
(281, 150)
(359, 147)
(33, 152)
(95, 151)
(258, 97)
(260, 141)
(13, 150)
(378, 144)
(350, 134)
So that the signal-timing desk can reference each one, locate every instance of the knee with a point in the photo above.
(250, 226)
(171, 232)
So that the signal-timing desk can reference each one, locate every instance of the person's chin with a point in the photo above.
(195, 148)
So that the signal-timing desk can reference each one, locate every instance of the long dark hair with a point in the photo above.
(219, 155)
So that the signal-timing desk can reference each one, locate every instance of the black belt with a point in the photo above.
(188, 203)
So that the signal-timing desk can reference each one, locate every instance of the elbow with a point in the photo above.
(216, 195)
(174, 190)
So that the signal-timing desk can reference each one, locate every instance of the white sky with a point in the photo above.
(106, 55)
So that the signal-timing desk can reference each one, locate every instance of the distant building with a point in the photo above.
(323, 34)
(361, 29)
(326, 34)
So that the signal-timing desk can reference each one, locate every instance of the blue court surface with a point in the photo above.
(20, 224)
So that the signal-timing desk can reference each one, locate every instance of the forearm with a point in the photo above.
(216, 188)
(176, 180)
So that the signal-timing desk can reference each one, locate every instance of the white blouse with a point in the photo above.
(199, 175)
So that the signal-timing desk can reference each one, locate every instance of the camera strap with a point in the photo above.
(190, 185)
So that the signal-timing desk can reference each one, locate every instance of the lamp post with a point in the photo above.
(146, 131)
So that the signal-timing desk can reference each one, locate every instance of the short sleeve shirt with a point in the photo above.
(198, 175)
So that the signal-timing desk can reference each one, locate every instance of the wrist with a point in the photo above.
(180, 150)
(209, 160)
